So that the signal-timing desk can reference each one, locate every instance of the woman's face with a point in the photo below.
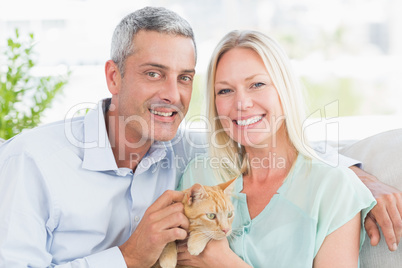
(246, 100)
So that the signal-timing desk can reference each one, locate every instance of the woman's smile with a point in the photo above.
(250, 121)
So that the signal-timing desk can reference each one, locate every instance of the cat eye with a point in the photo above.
(211, 216)
(230, 214)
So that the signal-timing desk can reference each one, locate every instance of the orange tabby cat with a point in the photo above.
(210, 213)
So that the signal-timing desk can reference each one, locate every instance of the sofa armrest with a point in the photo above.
(381, 156)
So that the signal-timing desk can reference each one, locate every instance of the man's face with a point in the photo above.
(155, 91)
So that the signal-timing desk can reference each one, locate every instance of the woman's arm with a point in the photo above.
(341, 247)
(216, 254)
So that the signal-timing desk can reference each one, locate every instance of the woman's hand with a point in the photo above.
(216, 254)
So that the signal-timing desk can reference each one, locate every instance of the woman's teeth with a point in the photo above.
(249, 121)
(161, 113)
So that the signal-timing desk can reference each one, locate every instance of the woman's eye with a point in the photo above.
(230, 214)
(211, 216)
(223, 91)
(257, 85)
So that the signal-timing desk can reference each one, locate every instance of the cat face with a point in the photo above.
(209, 211)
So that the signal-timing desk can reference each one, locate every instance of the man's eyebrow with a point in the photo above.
(191, 71)
(164, 67)
(160, 66)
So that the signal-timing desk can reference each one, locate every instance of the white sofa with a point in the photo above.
(381, 155)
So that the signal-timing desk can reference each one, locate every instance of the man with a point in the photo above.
(71, 192)
(91, 192)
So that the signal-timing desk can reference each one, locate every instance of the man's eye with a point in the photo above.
(223, 91)
(186, 78)
(153, 74)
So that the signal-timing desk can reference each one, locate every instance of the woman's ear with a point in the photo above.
(113, 77)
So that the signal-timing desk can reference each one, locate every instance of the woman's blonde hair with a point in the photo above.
(232, 155)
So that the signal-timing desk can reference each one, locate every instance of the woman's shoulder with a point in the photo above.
(331, 195)
(201, 164)
(321, 172)
(325, 182)
(199, 158)
(202, 169)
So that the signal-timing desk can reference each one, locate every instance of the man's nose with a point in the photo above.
(170, 91)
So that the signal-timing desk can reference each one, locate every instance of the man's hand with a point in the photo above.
(387, 213)
(163, 222)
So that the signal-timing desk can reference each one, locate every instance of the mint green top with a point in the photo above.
(314, 200)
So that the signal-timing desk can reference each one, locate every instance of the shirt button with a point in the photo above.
(137, 218)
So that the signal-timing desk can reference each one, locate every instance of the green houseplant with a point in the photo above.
(23, 96)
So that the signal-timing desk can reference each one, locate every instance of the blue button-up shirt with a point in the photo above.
(65, 203)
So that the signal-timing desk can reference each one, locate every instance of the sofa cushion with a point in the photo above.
(381, 156)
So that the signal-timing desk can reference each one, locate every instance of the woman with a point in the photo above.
(291, 210)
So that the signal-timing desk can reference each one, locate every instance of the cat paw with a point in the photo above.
(195, 250)
(168, 258)
(168, 262)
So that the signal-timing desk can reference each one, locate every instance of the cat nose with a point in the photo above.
(226, 230)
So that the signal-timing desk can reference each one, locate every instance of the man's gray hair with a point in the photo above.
(157, 19)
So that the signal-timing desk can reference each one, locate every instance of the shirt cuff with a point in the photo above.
(345, 161)
(111, 257)
(330, 153)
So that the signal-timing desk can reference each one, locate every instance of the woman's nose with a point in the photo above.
(244, 102)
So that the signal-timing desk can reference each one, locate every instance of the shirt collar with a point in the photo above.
(98, 154)
(156, 153)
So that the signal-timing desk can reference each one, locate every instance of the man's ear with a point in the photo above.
(113, 77)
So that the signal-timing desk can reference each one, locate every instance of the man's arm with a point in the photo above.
(26, 223)
(26, 218)
(387, 213)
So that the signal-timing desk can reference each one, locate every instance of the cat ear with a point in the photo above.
(196, 192)
(229, 190)
(227, 187)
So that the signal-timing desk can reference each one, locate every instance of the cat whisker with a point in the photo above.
(207, 235)
(237, 231)
(232, 237)
(213, 233)
(200, 240)
(206, 232)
